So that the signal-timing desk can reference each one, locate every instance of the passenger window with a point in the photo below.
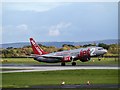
(100, 48)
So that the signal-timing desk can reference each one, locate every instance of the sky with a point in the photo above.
(58, 21)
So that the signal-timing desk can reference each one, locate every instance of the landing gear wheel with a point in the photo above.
(99, 59)
(73, 63)
(62, 64)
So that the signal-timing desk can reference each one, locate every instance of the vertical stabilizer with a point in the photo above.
(36, 49)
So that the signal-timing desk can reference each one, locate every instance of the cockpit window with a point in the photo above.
(100, 48)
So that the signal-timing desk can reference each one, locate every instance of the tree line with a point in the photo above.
(27, 50)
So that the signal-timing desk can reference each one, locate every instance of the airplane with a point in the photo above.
(82, 54)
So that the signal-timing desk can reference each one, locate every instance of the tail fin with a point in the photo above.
(36, 49)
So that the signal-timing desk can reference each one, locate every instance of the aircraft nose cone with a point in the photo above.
(105, 51)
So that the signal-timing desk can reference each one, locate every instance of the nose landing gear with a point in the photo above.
(99, 58)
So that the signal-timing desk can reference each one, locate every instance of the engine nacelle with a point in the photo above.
(66, 59)
(84, 55)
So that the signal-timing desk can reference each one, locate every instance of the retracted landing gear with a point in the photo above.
(63, 64)
(73, 63)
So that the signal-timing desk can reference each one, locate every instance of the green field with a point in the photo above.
(32, 61)
(28, 79)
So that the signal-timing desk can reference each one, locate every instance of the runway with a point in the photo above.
(79, 86)
(32, 68)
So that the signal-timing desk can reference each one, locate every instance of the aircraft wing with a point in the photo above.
(46, 55)
(57, 57)
(51, 55)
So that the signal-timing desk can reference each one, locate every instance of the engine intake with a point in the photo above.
(84, 55)
(66, 59)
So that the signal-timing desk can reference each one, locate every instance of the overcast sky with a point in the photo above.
(59, 21)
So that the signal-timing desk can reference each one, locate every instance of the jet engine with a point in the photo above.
(66, 59)
(84, 55)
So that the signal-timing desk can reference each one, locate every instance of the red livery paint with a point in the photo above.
(82, 54)
(36, 49)
(66, 59)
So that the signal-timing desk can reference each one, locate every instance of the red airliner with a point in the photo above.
(82, 54)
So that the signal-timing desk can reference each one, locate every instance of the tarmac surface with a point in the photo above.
(11, 68)
(31, 68)
(80, 86)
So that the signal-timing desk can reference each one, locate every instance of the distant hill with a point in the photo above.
(58, 44)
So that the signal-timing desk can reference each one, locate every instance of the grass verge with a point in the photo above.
(93, 61)
(28, 79)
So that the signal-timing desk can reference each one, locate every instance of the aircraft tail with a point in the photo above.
(36, 49)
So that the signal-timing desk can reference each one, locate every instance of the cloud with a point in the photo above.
(22, 27)
(15, 33)
(62, 25)
(60, 0)
(0, 28)
(18, 30)
(32, 6)
(0, 35)
(55, 30)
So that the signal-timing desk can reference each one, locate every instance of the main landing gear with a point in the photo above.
(73, 63)
(63, 64)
